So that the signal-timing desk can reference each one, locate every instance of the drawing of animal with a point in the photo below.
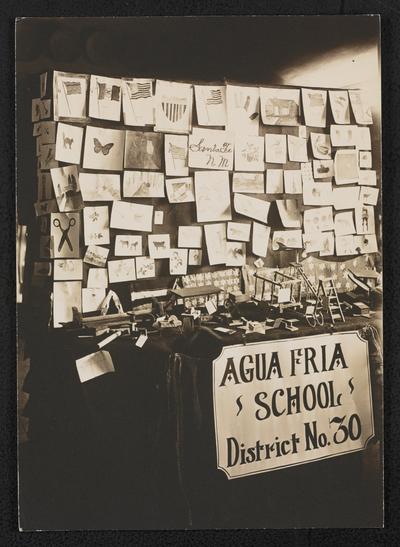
(146, 269)
(159, 245)
(98, 147)
(126, 244)
(67, 141)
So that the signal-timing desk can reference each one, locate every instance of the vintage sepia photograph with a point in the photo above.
(199, 273)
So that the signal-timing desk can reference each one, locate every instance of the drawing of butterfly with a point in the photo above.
(98, 147)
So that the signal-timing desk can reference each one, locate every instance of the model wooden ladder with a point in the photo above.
(328, 289)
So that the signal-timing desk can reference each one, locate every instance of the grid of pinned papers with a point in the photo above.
(258, 170)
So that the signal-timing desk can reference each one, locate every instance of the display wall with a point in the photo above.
(140, 181)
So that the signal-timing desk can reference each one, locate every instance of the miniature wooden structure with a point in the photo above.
(281, 292)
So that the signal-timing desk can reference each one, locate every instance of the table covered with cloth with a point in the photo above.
(136, 448)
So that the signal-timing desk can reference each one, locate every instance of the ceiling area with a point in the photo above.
(192, 48)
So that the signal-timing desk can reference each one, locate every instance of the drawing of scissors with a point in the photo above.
(65, 237)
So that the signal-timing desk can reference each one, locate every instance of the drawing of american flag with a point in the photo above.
(215, 97)
(177, 152)
(72, 88)
(142, 90)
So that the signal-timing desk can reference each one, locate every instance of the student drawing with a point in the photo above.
(104, 149)
(210, 105)
(323, 169)
(176, 155)
(64, 231)
(242, 109)
(314, 105)
(66, 188)
(67, 141)
(249, 153)
(68, 269)
(159, 245)
(321, 145)
(251, 183)
(98, 147)
(47, 156)
(180, 190)
(195, 257)
(137, 101)
(96, 225)
(128, 245)
(105, 98)
(280, 106)
(70, 95)
(97, 256)
(173, 102)
(145, 267)
(339, 101)
(275, 148)
(143, 184)
(178, 261)
(212, 196)
(143, 150)
(121, 270)
(235, 253)
(100, 186)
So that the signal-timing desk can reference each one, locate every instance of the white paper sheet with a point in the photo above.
(69, 143)
(96, 256)
(248, 183)
(159, 245)
(96, 225)
(178, 259)
(318, 219)
(280, 106)
(211, 104)
(66, 295)
(176, 155)
(105, 98)
(128, 245)
(243, 106)
(215, 235)
(339, 101)
(180, 190)
(346, 166)
(70, 92)
(314, 106)
(190, 236)
(104, 149)
(94, 365)
(254, 208)
(137, 101)
(238, 231)
(145, 267)
(275, 148)
(143, 184)
(260, 239)
(68, 269)
(121, 271)
(100, 186)
(67, 188)
(132, 216)
(249, 153)
(213, 200)
(274, 182)
(173, 107)
(211, 149)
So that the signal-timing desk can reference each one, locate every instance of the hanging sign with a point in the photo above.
(290, 402)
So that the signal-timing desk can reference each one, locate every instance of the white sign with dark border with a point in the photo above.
(289, 402)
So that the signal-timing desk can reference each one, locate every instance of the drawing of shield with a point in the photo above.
(173, 111)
